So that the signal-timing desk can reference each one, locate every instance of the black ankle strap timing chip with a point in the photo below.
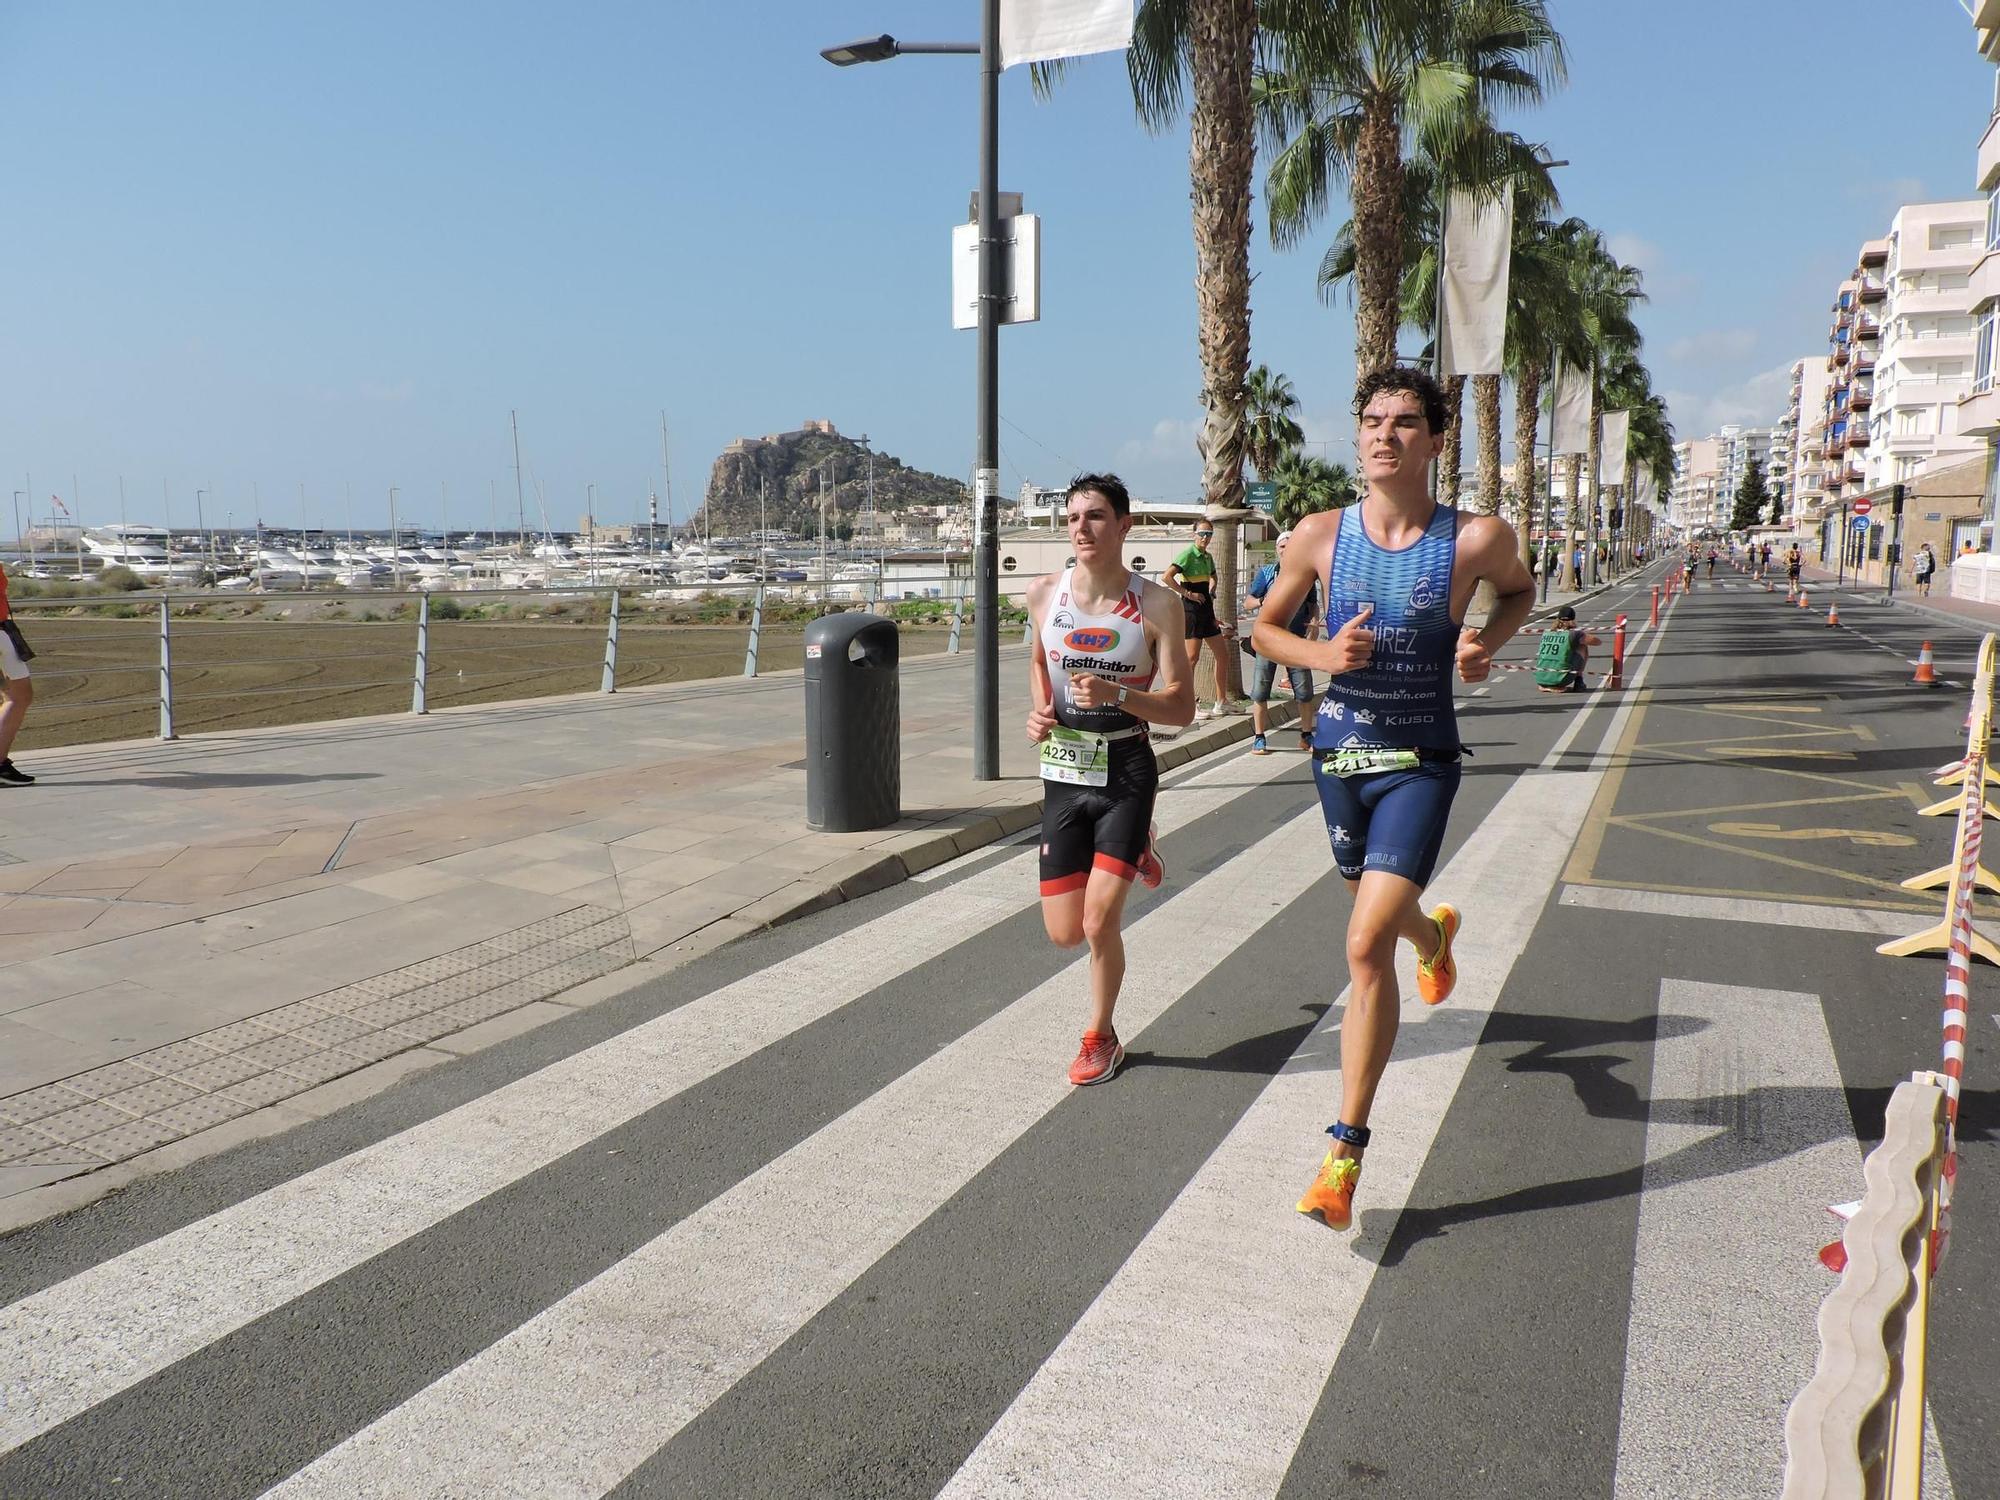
(1354, 1135)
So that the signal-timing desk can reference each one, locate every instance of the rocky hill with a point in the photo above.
(789, 465)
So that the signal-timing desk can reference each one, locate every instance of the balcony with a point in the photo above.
(1864, 364)
(1858, 438)
(1989, 156)
(1874, 255)
(1840, 354)
(1861, 399)
(1854, 474)
(1867, 328)
(1872, 291)
(1979, 413)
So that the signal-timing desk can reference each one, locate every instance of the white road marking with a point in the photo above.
(1730, 909)
(1208, 1378)
(82, 1341)
(1747, 1137)
(576, 1398)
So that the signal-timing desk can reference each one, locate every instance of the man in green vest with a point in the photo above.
(1564, 651)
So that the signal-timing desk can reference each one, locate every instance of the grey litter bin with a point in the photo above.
(854, 761)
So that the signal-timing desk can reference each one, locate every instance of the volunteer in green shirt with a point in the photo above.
(1192, 575)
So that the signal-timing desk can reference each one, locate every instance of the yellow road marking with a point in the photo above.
(1584, 856)
(1743, 807)
(1849, 903)
(1740, 852)
(1772, 752)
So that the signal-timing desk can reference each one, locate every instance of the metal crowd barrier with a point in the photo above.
(1857, 1429)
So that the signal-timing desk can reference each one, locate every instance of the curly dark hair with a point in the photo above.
(1403, 378)
(1110, 486)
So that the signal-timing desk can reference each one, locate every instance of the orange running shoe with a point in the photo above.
(1332, 1194)
(1437, 974)
(1152, 869)
(1097, 1059)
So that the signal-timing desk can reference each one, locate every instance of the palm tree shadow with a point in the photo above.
(1743, 1129)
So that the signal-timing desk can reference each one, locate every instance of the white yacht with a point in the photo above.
(143, 549)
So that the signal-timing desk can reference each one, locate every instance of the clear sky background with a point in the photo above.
(252, 247)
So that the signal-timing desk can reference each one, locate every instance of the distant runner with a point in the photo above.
(1398, 573)
(17, 691)
(1104, 633)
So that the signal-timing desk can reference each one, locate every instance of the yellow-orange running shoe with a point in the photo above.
(1332, 1194)
(1437, 974)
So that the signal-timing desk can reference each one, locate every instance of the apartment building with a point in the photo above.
(1928, 342)
(1979, 408)
(1799, 437)
(1736, 448)
(1691, 498)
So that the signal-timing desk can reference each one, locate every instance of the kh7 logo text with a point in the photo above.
(1089, 639)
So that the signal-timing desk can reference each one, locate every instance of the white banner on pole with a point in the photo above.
(1033, 31)
(1646, 492)
(1572, 411)
(1611, 450)
(1478, 243)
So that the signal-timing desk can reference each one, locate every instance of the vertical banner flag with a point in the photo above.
(1646, 493)
(1571, 398)
(1611, 453)
(1478, 241)
(1033, 31)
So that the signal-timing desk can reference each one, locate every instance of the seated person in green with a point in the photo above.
(1564, 651)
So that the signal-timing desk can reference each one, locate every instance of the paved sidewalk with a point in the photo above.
(218, 937)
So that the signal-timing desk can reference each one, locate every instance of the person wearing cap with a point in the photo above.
(1192, 575)
(1563, 654)
(16, 691)
(1304, 624)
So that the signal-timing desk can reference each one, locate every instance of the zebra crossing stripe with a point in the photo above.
(1209, 1350)
(583, 1393)
(83, 1340)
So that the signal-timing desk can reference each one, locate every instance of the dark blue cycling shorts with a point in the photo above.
(1390, 820)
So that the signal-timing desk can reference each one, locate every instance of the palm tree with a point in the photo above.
(1541, 323)
(1270, 429)
(1481, 161)
(1351, 85)
(1207, 48)
(1306, 484)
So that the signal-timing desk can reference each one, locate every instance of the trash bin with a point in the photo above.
(854, 760)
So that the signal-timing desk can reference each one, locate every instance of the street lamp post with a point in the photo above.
(986, 463)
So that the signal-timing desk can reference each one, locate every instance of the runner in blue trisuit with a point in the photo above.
(1397, 572)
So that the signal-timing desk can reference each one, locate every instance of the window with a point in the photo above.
(1982, 359)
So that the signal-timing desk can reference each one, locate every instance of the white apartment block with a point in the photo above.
(1979, 409)
(1736, 447)
(1927, 343)
(1797, 440)
(1691, 496)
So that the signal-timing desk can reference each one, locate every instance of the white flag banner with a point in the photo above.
(1478, 241)
(1033, 31)
(1611, 450)
(1646, 493)
(1571, 398)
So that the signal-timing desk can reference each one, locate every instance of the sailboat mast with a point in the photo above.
(667, 480)
(520, 501)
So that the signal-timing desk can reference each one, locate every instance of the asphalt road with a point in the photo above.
(818, 1215)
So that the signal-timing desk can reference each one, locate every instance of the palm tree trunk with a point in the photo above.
(1451, 463)
(1378, 235)
(1527, 415)
(1571, 510)
(1595, 457)
(1486, 412)
(1221, 164)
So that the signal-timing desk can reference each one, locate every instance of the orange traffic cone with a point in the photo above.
(1926, 677)
(1803, 599)
(1833, 613)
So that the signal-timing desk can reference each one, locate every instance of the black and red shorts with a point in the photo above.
(1087, 828)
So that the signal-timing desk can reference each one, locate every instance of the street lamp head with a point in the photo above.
(867, 50)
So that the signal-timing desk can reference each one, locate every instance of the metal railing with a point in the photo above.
(234, 660)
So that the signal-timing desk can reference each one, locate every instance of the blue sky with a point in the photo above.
(254, 247)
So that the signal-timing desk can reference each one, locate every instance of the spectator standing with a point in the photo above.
(1305, 625)
(16, 691)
